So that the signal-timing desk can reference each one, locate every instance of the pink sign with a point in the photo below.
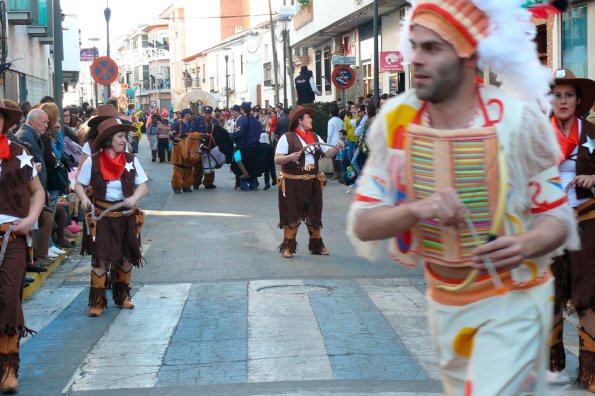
(391, 61)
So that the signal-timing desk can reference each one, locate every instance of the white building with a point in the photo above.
(26, 58)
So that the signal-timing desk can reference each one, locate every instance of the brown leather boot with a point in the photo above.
(289, 245)
(97, 299)
(9, 364)
(315, 245)
(586, 360)
(121, 289)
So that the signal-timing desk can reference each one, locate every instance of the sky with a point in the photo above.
(126, 15)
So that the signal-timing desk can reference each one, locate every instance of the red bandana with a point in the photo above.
(306, 136)
(112, 168)
(567, 143)
(4, 148)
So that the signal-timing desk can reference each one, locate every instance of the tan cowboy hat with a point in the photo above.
(103, 113)
(585, 88)
(108, 128)
(11, 115)
(297, 112)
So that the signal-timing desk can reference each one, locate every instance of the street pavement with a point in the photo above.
(220, 312)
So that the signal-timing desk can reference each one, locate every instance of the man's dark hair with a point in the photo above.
(113, 102)
(47, 99)
(350, 103)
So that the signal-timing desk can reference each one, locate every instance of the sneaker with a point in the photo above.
(210, 187)
(187, 189)
(56, 250)
(74, 229)
(177, 191)
(52, 254)
(196, 187)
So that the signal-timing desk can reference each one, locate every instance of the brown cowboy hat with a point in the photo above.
(585, 88)
(297, 112)
(109, 128)
(11, 115)
(103, 113)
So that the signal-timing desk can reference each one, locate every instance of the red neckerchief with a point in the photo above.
(112, 168)
(306, 136)
(567, 143)
(4, 148)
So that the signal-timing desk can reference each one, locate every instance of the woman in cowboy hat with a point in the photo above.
(21, 200)
(575, 271)
(117, 178)
(301, 182)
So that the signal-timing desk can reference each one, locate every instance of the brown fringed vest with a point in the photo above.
(295, 144)
(99, 184)
(585, 161)
(14, 194)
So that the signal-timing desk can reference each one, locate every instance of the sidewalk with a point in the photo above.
(40, 277)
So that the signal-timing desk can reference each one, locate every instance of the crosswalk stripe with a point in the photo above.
(284, 342)
(359, 341)
(45, 306)
(405, 309)
(130, 354)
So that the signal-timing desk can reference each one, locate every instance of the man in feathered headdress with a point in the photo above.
(463, 178)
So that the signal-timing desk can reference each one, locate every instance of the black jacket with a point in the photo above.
(282, 125)
(30, 136)
(303, 88)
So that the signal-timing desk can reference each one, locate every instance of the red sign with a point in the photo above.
(391, 61)
(104, 70)
(343, 77)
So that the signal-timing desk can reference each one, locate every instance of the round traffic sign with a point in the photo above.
(343, 77)
(153, 104)
(104, 70)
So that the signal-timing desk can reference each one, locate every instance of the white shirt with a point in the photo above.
(9, 219)
(335, 124)
(283, 148)
(114, 188)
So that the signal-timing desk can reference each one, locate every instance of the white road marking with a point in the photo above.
(284, 339)
(405, 309)
(130, 353)
(45, 306)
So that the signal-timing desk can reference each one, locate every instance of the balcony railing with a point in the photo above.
(304, 16)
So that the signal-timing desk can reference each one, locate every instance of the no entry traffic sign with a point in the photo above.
(104, 70)
(343, 77)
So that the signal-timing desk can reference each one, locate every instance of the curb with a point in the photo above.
(40, 277)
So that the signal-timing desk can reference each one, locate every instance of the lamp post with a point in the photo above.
(108, 13)
(226, 81)
(285, 34)
(94, 39)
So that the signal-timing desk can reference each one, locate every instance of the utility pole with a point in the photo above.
(274, 46)
(376, 65)
(58, 57)
(107, 13)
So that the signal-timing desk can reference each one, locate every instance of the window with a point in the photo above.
(267, 74)
(327, 69)
(318, 69)
(368, 77)
(145, 41)
(541, 41)
(266, 53)
(212, 85)
(574, 40)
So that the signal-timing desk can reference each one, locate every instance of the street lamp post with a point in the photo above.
(226, 81)
(94, 39)
(285, 34)
(108, 13)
